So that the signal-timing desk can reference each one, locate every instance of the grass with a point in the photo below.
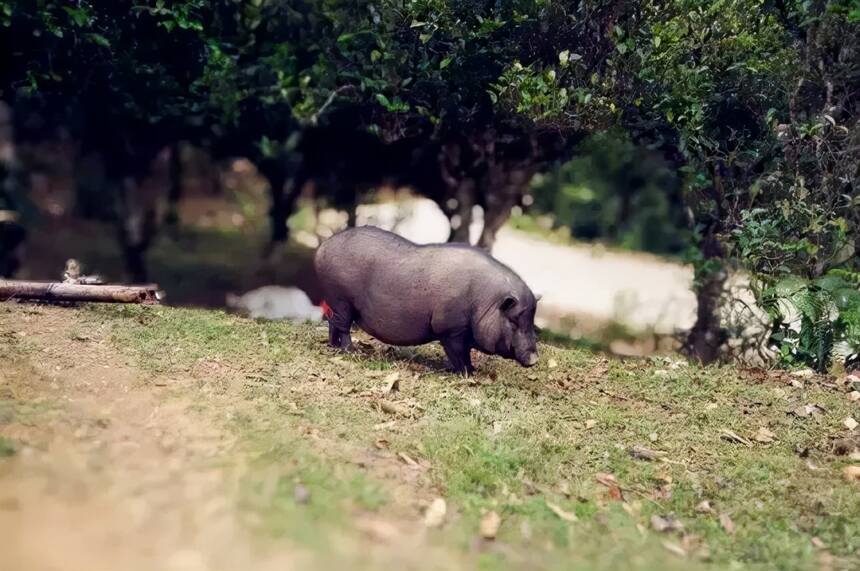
(7, 447)
(516, 441)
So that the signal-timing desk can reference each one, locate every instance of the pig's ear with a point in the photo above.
(508, 303)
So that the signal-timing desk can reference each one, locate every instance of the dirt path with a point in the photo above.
(114, 475)
(117, 469)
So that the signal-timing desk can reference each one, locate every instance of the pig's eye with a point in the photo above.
(508, 303)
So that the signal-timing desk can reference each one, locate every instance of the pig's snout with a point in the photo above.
(530, 359)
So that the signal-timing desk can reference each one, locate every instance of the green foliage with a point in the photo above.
(798, 234)
(700, 57)
(7, 447)
(849, 9)
(815, 322)
(616, 192)
(794, 235)
(130, 63)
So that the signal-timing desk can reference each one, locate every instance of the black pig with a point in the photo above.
(408, 294)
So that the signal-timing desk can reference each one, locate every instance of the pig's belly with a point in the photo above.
(397, 328)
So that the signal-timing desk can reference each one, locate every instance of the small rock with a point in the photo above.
(301, 494)
(854, 396)
(727, 523)
(808, 410)
(590, 423)
(652, 437)
(850, 423)
(381, 443)
(817, 543)
(704, 507)
(803, 373)
(435, 514)
(764, 435)
(393, 408)
(490, 525)
(552, 364)
(665, 523)
(851, 473)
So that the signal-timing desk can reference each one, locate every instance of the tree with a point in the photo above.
(120, 77)
(709, 74)
(800, 239)
(487, 93)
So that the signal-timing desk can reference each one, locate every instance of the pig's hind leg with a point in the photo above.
(458, 350)
(339, 324)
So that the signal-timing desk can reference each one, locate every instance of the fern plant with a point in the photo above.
(815, 322)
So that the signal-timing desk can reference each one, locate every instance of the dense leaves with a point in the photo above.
(616, 192)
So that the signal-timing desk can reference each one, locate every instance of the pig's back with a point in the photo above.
(367, 257)
(350, 257)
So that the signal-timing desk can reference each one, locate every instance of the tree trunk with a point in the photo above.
(137, 225)
(706, 338)
(465, 197)
(280, 209)
(12, 233)
(174, 193)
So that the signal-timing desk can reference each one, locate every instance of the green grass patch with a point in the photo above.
(299, 493)
(515, 441)
(7, 447)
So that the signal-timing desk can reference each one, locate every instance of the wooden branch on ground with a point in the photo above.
(58, 291)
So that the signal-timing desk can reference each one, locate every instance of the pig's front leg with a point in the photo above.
(458, 351)
(339, 324)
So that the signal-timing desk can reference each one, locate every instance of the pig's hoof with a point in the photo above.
(466, 373)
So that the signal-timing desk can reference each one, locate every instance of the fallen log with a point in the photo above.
(58, 291)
